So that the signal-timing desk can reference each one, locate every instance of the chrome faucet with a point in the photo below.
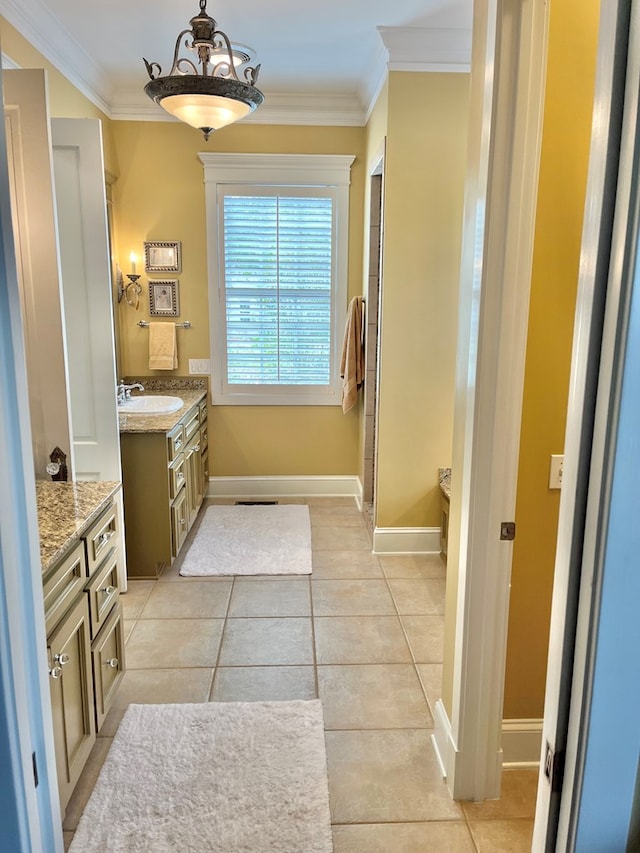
(124, 391)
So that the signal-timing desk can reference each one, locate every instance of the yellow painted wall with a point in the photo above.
(64, 99)
(573, 31)
(160, 195)
(424, 187)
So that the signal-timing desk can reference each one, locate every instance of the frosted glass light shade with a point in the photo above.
(211, 111)
(207, 103)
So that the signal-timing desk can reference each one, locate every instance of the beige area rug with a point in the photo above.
(231, 777)
(251, 540)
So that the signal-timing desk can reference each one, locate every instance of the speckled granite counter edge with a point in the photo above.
(65, 510)
(444, 479)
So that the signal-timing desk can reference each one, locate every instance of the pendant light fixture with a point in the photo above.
(219, 92)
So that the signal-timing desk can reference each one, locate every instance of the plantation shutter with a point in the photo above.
(278, 268)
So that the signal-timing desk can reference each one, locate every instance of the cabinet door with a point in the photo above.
(193, 466)
(108, 662)
(72, 697)
(179, 521)
(204, 471)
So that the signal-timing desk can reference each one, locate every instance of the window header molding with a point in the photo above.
(310, 169)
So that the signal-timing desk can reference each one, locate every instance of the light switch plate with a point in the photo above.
(199, 366)
(555, 471)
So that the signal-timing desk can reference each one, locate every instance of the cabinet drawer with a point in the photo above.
(103, 591)
(204, 434)
(191, 424)
(175, 440)
(203, 410)
(179, 521)
(107, 652)
(176, 476)
(101, 537)
(63, 584)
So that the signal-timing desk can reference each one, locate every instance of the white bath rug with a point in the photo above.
(231, 777)
(251, 540)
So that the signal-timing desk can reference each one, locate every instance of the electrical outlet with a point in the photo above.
(555, 471)
(199, 366)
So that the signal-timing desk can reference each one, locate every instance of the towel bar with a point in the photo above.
(186, 325)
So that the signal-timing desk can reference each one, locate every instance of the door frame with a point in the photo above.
(505, 136)
(30, 814)
(602, 315)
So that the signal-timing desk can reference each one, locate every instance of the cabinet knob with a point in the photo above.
(182, 522)
(55, 672)
(62, 659)
(180, 476)
(114, 663)
(104, 537)
(108, 590)
(196, 448)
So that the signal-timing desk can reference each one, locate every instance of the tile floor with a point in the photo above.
(365, 635)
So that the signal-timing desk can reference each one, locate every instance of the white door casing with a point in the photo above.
(594, 401)
(30, 814)
(507, 88)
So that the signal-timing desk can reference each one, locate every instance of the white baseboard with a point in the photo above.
(284, 487)
(406, 540)
(521, 743)
(520, 747)
(442, 740)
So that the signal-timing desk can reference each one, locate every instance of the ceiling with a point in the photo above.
(322, 61)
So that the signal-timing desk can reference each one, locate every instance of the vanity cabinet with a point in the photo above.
(164, 481)
(85, 641)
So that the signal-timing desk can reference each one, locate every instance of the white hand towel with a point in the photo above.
(163, 347)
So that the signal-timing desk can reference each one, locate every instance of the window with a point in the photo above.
(277, 230)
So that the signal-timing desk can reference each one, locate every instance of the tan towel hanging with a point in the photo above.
(163, 347)
(352, 361)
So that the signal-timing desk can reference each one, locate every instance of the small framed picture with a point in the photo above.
(163, 257)
(163, 298)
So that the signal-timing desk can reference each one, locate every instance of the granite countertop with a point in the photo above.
(444, 478)
(192, 391)
(65, 510)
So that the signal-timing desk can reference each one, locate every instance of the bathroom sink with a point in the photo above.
(150, 404)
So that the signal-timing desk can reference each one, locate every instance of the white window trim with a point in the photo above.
(320, 170)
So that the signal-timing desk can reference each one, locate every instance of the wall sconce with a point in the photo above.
(132, 290)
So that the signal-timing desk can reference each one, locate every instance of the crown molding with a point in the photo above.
(427, 48)
(42, 30)
(8, 64)
(278, 108)
(419, 49)
(401, 49)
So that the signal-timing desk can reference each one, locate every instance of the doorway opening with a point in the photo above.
(372, 335)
